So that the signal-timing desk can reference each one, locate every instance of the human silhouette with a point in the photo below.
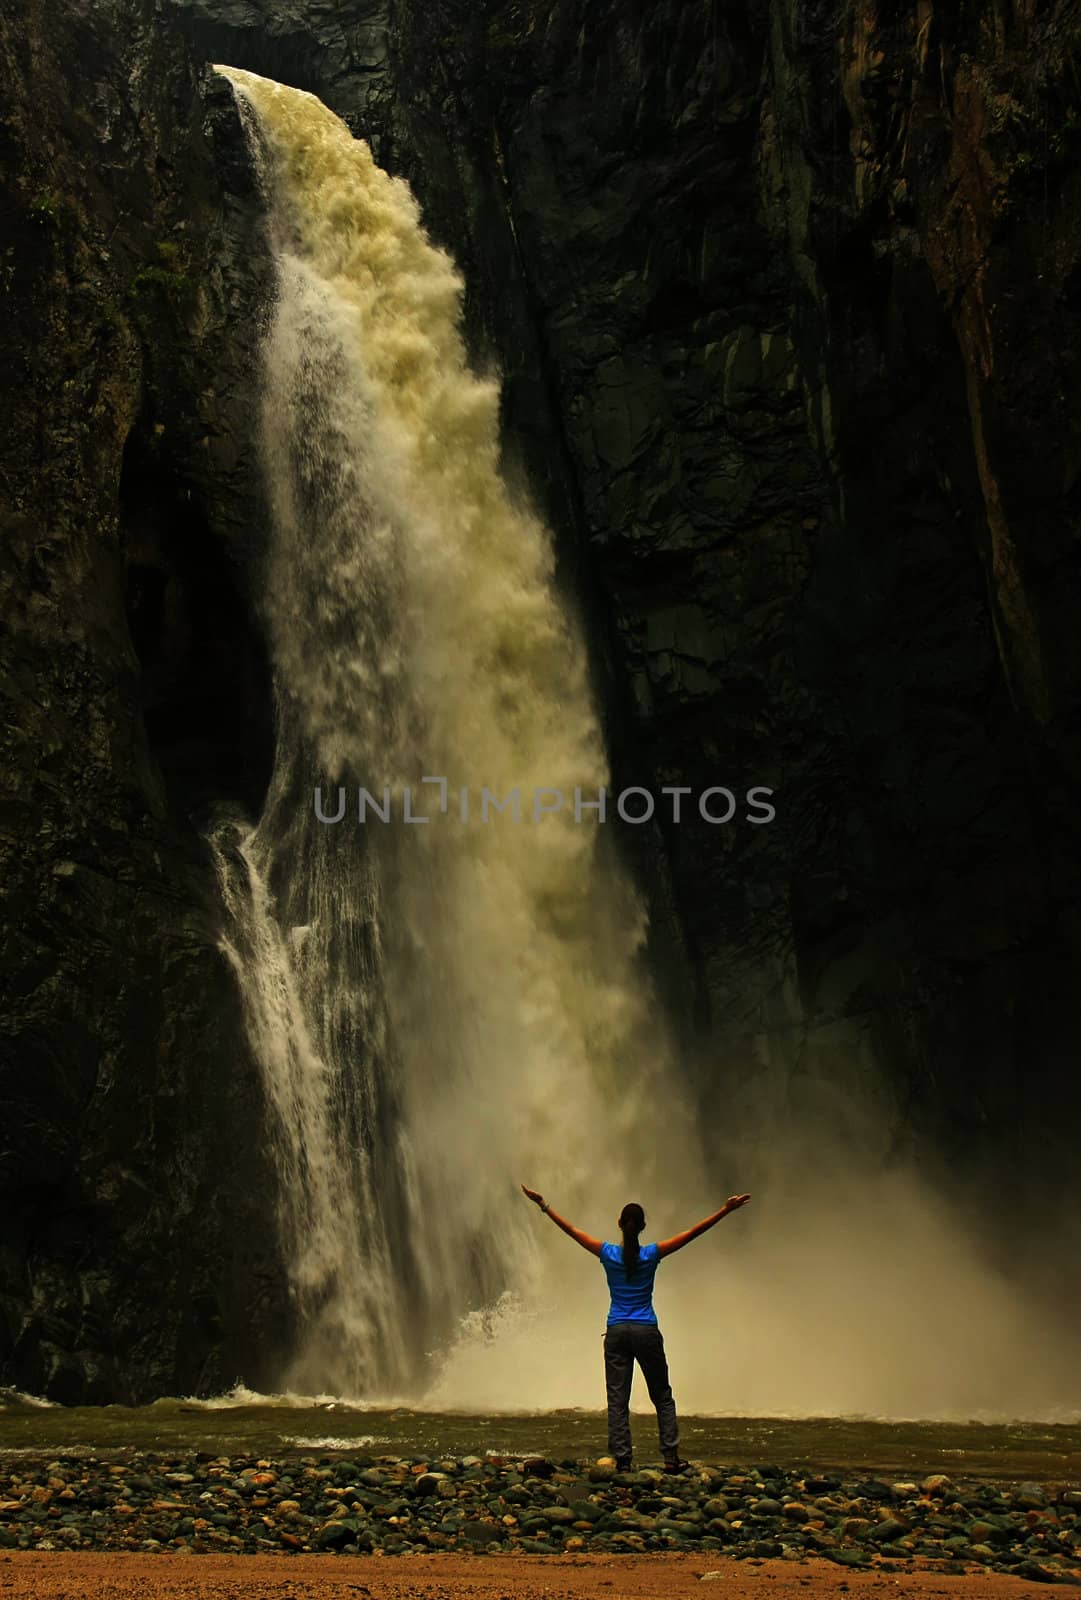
(632, 1332)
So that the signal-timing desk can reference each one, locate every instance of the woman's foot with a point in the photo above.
(674, 1464)
(623, 1463)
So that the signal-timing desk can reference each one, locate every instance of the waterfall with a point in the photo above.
(444, 1009)
(447, 1009)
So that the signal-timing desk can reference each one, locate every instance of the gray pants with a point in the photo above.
(625, 1343)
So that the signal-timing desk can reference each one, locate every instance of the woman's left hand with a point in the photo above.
(532, 1194)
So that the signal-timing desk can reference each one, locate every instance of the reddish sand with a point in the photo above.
(41, 1575)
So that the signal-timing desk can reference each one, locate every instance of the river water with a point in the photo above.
(277, 1426)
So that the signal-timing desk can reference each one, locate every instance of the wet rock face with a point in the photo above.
(135, 1256)
(336, 52)
(785, 300)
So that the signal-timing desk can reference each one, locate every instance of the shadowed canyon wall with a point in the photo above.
(785, 298)
(135, 1256)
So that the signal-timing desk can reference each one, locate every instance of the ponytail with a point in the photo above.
(632, 1219)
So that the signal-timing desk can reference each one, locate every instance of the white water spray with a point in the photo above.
(500, 1029)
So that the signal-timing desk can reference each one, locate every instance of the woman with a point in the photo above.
(632, 1333)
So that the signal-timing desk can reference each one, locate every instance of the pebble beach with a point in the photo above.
(396, 1506)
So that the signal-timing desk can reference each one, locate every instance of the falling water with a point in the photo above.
(441, 1010)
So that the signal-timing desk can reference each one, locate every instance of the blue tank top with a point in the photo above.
(633, 1301)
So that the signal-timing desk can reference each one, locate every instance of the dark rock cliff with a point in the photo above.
(137, 1250)
(786, 299)
(801, 284)
(799, 292)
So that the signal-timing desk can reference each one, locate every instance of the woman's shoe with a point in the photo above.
(623, 1463)
(674, 1464)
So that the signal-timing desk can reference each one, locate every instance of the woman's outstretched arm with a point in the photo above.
(586, 1240)
(678, 1240)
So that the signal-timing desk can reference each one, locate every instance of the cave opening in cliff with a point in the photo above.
(205, 681)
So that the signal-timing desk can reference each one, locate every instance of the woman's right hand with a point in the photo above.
(531, 1194)
(734, 1202)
